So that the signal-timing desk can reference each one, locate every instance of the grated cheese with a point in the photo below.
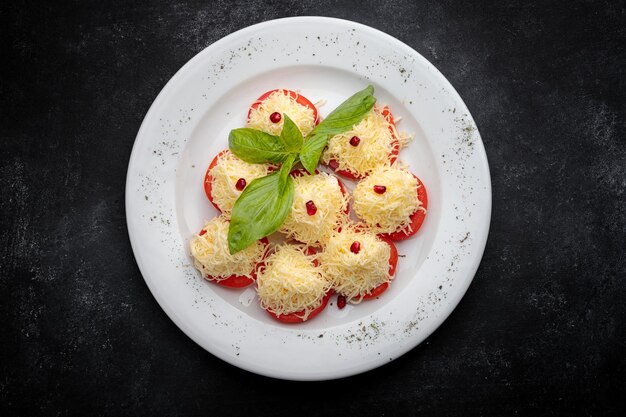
(211, 255)
(290, 283)
(281, 102)
(390, 211)
(228, 170)
(324, 190)
(355, 275)
(374, 148)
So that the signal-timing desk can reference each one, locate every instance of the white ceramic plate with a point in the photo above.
(329, 59)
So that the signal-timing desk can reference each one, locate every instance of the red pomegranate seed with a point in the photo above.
(310, 208)
(354, 141)
(275, 117)
(341, 301)
(355, 247)
(380, 189)
(202, 232)
(241, 184)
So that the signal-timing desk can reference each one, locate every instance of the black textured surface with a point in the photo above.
(541, 329)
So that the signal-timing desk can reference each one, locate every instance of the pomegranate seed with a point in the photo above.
(341, 301)
(275, 117)
(310, 208)
(202, 232)
(355, 247)
(241, 184)
(333, 164)
(380, 189)
(354, 141)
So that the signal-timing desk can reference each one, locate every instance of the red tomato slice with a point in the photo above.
(238, 281)
(417, 218)
(393, 263)
(377, 291)
(393, 155)
(297, 316)
(300, 99)
(208, 179)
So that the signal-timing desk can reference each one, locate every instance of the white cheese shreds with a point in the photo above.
(228, 170)
(211, 256)
(324, 191)
(355, 275)
(290, 282)
(373, 150)
(280, 101)
(390, 211)
(403, 138)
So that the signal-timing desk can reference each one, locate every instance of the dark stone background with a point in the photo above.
(541, 329)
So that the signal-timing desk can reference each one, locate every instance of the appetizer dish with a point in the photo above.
(366, 146)
(268, 183)
(359, 263)
(266, 113)
(391, 201)
(227, 176)
(209, 249)
(320, 205)
(291, 286)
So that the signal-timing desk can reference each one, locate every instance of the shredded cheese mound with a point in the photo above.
(355, 275)
(390, 211)
(228, 170)
(374, 148)
(280, 101)
(291, 283)
(324, 190)
(211, 256)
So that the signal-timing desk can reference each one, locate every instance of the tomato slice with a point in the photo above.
(297, 317)
(300, 99)
(393, 155)
(208, 179)
(377, 291)
(393, 263)
(417, 218)
(238, 281)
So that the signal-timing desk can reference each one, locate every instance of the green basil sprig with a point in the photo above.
(263, 206)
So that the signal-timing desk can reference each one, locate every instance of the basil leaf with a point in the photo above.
(256, 147)
(291, 137)
(261, 208)
(348, 114)
(312, 151)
